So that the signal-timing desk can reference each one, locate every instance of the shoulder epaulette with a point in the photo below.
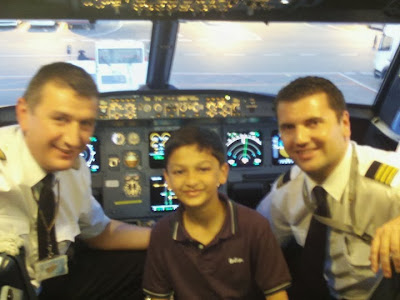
(282, 179)
(2, 155)
(381, 172)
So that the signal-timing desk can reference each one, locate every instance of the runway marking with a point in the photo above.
(348, 54)
(358, 82)
(11, 90)
(233, 54)
(194, 54)
(33, 55)
(14, 76)
(252, 73)
(299, 54)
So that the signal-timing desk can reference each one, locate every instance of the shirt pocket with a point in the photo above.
(356, 251)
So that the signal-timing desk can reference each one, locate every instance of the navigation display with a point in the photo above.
(91, 155)
(244, 148)
(157, 140)
(279, 154)
(162, 199)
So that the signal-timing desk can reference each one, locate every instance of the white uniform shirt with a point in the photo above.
(347, 267)
(79, 213)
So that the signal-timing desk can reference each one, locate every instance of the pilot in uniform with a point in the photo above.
(363, 194)
(77, 214)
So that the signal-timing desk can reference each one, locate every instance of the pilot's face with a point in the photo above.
(59, 127)
(312, 134)
(194, 176)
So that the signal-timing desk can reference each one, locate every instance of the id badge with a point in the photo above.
(51, 267)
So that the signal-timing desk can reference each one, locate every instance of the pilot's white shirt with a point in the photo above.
(347, 269)
(79, 213)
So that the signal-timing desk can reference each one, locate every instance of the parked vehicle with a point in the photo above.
(389, 42)
(118, 65)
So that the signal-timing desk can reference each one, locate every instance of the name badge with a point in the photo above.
(51, 267)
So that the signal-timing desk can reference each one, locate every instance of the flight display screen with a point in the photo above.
(157, 140)
(91, 155)
(279, 154)
(244, 148)
(162, 199)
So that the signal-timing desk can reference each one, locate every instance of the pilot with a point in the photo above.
(356, 202)
(82, 55)
(46, 202)
(210, 248)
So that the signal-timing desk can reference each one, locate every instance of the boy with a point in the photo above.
(210, 248)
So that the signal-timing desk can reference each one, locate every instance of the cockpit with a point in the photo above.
(218, 64)
(160, 65)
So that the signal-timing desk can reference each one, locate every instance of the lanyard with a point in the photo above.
(352, 193)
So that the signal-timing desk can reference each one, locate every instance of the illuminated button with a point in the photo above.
(200, 246)
(131, 159)
(133, 138)
(118, 138)
(147, 107)
(113, 162)
(132, 187)
(183, 107)
(158, 107)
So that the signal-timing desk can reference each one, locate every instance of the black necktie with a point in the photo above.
(313, 255)
(46, 220)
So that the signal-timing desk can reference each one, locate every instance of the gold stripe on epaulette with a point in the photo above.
(385, 174)
(2, 155)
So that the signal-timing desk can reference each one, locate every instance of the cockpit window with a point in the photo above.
(260, 57)
(247, 56)
(115, 53)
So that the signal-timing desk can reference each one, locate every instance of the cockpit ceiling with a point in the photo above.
(266, 10)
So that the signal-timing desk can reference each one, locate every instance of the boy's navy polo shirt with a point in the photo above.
(243, 260)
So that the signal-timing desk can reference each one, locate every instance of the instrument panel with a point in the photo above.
(181, 104)
(126, 155)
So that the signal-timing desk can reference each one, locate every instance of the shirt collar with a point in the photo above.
(337, 181)
(229, 228)
(31, 173)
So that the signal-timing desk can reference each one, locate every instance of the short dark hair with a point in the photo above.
(62, 74)
(310, 85)
(205, 139)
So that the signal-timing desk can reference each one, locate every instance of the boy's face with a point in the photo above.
(195, 175)
(59, 127)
